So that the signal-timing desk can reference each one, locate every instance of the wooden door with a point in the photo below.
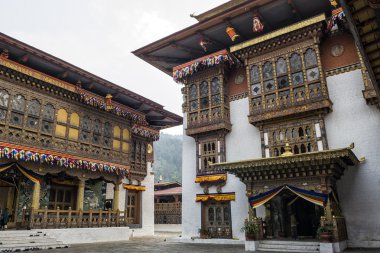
(216, 218)
(133, 207)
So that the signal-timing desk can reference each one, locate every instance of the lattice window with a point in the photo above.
(209, 153)
(47, 119)
(85, 129)
(107, 134)
(205, 101)
(74, 127)
(301, 137)
(96, 136)
(18, 109)
(4, 102)
(33, 109)
(285, 80)
(138, 155)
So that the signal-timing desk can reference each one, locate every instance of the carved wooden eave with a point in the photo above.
(317, 107)
(212, 127)
(309, 28)
(326, 163)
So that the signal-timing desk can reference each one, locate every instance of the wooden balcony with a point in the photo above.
(44, 218)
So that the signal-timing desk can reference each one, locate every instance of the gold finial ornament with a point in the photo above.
(109, 102)
(288, 150)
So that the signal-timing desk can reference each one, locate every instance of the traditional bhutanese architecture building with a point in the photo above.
(75, 149)
(167, 203)
(275, 94)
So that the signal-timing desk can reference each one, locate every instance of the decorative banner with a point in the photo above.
(189, 68)
(146, 132)
(336, 15)
(257, 26)
(30, 155)
(22, 170)
(134, 187)
(211, 178)
(217, 197)
(311, 196)
(232, 33)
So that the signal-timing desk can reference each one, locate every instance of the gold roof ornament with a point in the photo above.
(288, 150)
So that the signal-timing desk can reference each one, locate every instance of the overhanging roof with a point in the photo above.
(183, 45)
(48, 64)
(343, 156)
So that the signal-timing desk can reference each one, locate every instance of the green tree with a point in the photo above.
(168, 158)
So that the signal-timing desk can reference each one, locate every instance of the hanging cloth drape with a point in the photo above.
(23, 171)
(311, 196)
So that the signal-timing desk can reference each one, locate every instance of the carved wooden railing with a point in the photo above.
(168, 213)
(45, 218)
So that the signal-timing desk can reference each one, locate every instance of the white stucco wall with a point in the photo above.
(191, 211)
(242, 143)
(352, 120)
(147, 206)
(237, 148)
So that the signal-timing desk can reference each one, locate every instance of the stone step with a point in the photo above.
(286, 250)
(27, 240)
(31, 246)
(290, 247)
(279, 242)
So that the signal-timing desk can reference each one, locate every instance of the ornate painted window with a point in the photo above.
(60, 128)
(107, 134)
(47, 119)
(18, 109)
(125, 141)
(96, 137)
(303, 136)
(116, 138)
(208, 153)
(74, 127)
(4, 102)
(34, 108)
(85, 129)
(289, 79)
(205, 102)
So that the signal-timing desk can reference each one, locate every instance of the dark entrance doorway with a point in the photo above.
(290, 216)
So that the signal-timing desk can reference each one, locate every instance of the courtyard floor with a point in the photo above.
(159, 244)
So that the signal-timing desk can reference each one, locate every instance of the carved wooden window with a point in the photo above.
(138, 155)
(85, 129)
(301, 137)
(107, 134)
(96, 137)
(285, 80)
(47, 119)
(18, 109)
(208, 153)
(34, 108)
(60, 128)
(125, 142)
(116, 138)
(74, 127)
(4, 102)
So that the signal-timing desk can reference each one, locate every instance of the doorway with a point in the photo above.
(290, 216)
(8, 198)
(216, 218)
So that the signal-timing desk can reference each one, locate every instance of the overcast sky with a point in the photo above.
(99, 35)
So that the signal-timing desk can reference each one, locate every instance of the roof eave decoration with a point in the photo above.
(134, 187)
(181, 72)
(344, 153)
(23, 153)
(146, 132)
(230, 196)
(211, 178)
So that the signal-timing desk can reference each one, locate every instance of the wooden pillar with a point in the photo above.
(80, 194)
(36, 196)
(116, 196)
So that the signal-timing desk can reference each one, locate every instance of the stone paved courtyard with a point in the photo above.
(157, 244)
